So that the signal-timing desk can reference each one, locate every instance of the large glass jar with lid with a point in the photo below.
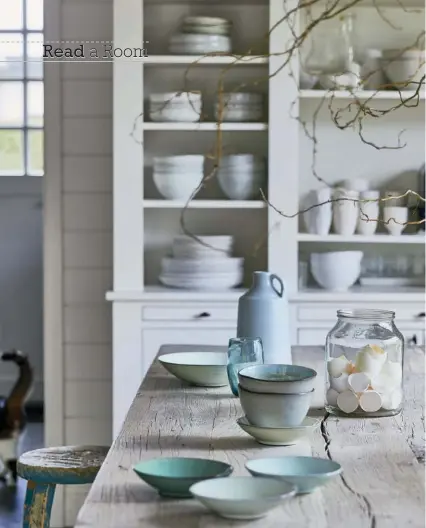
(365, 357)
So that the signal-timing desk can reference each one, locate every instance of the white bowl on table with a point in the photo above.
(280, 436)
(242, 498)
(275, 410)
(336, 270)
(204, 369)
(277, 378)
(175, 186)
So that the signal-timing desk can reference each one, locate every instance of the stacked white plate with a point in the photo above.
(200, 35)
(240, 106)
(175, 106)
(194, 266)
(176, 177)
(241, 176)
(204, 25)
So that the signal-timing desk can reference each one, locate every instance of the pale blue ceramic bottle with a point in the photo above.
(263, 312)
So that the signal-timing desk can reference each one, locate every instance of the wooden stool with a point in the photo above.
(44, 468)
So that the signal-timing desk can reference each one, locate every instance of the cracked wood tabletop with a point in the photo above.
(382, 484)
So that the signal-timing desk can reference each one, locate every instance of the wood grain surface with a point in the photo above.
(382, 484)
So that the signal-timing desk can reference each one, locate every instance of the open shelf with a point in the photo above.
(208, 127)
(204, 204)
(363, 239)
(171, 60)
(385, 95)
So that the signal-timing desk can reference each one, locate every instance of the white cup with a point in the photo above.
(345, 212)
(395, 219)
(368, 213)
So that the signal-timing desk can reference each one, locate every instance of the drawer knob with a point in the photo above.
(421, 314)
(413, 340)
(202, 315)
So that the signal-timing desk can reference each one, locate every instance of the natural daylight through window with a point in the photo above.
(21, 88)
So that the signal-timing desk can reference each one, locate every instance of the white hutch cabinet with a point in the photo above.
(147, 315)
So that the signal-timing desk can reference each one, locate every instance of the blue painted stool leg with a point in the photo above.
(38, 505)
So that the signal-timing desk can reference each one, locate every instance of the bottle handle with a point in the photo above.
(279, 291)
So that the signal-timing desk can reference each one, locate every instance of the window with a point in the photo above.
(21, 88)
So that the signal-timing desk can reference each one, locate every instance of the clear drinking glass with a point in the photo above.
(364, 364)
(242, 352)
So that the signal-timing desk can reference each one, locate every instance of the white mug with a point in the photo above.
(395, 219)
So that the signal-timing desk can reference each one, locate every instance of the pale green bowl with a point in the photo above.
(306, 473)
(172, 477)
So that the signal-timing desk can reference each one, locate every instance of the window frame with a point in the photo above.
(25, 33)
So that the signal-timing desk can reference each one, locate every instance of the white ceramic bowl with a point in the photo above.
(242, 497)
(242, 98)
(307, 81)
(205, 369)
(279, 436)
(404, 69)
(275, 410)
(240, 185)
(183, 115)
(239, 114)
(162, 163)
(277, 379)
(336, 270)
(174, 187)
(395, 217)
(242, 160)
(307, 473)
(175, 97)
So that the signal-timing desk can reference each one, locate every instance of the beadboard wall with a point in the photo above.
(86, 235)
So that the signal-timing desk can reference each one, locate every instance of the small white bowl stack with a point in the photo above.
(240, 176)
(194, 266)
(177, 177)
(175, 106)
(239, 106)
(198, 35)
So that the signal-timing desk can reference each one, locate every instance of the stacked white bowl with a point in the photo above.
(176, 177)
(198, 35)
(241, 176)
(239, 106)
(175, 106)
(404, 69)
(194, 266)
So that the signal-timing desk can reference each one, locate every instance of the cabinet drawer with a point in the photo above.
(413, 336)
(192, 312)
(327, 312)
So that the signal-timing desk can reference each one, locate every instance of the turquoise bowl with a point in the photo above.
(172, 477)
(306, 473)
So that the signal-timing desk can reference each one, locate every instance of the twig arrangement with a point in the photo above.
(357, 110)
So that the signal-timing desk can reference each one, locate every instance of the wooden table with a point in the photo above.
(382, 484)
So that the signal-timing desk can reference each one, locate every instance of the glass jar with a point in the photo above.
(330, 47)
(242, 352)
(364, 363)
